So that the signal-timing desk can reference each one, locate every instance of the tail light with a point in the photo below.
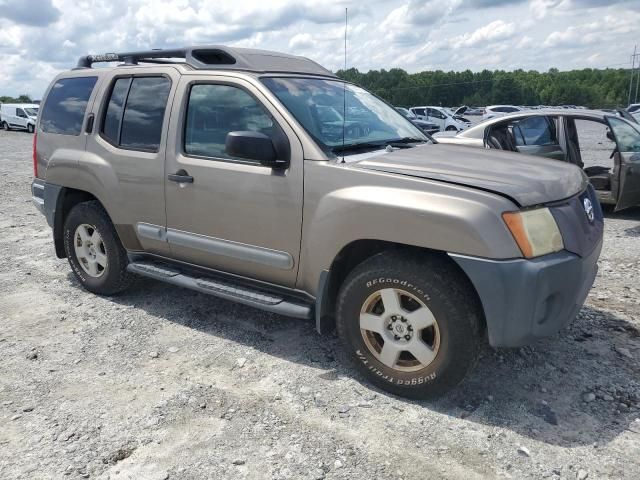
(35, 158)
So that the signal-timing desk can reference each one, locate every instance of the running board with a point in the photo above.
(223, 289)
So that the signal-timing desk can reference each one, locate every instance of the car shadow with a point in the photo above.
(632, 213)
(536, 391)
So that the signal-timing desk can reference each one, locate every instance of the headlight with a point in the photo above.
(535, 231)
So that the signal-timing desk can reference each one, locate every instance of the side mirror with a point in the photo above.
(254, 146)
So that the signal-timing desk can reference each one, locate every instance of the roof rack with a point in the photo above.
(215, 56)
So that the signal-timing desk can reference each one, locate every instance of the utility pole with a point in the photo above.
(637, 80)
(635, 56)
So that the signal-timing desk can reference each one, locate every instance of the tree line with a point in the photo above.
(588, 87)
(20, 99)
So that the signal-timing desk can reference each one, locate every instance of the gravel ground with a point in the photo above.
(164, 383)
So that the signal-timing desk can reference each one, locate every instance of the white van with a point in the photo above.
(19, 116)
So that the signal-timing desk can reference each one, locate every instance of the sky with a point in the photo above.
(39, 38)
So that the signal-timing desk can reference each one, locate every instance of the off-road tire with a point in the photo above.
(115, 277)
(446, 292)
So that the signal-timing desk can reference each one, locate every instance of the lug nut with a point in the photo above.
(403, 319)
(389, 327)
(407, 337)
(396, 337)
(394, 318)
(410, 328)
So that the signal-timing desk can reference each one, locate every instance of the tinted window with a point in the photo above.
(215, 110)
(535, 131)
(113, 116)
(627, 137)
(419, 111)
(144, 113)
(510, 109)
(66, 104)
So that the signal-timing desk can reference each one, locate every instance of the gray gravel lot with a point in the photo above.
(164, 383)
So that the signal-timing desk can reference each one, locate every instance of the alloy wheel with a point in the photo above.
(90, 250)
(399, 330)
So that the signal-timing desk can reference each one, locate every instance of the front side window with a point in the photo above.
(135, 112)
(367, 120)
(627, 137)
(436, 114)
(20, 113)
(215, 110)
(65, 106)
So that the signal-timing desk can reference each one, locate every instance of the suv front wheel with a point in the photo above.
(94, 251)
(411, 324)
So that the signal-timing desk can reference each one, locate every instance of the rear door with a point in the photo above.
(537, 135)
(627, 138)
(127, 148)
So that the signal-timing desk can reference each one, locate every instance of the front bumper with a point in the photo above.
(525, 300)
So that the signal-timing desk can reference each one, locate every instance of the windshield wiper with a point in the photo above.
(396, 142)
(358, 146)
(405, 140)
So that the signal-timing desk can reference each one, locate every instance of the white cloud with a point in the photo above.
(494, 31)
(410, 34)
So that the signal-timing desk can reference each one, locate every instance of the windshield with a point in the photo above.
(319, 106)
(32, 112)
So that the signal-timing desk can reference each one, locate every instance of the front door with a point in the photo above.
(21, 118)
(627, 137)
(436, 117)
(226, 213)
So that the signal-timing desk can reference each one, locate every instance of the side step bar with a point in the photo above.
(223, 289)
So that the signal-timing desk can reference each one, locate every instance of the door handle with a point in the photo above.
(181, 176)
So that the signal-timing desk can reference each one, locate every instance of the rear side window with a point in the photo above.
(135, 112)
(66, 104)
(535, 131)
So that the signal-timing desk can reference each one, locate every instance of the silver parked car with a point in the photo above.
(236, 173)
(553, 134)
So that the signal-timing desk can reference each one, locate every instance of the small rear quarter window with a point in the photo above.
(66, 104)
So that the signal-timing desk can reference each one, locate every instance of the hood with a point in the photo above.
(524, 179)
(460, 110)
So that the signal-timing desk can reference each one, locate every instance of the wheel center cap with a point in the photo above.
(399, 329)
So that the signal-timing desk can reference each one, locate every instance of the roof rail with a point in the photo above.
(215, 56)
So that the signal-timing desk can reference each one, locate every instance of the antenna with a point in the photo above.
(344, 84)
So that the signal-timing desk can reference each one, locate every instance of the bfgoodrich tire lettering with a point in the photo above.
(449, 328)
(113, 276)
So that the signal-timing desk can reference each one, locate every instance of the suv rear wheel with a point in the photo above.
(94, 251)
(411, 324)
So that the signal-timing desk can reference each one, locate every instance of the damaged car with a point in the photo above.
(450, 121)
(605, 145)
(426, 127)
